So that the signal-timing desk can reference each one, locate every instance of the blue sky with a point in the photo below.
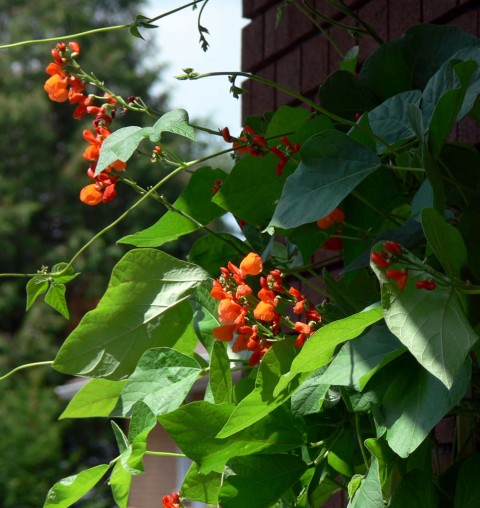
(177, 38)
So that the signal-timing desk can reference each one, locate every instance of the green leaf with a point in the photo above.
(286, 119)
(448, 108)
(391, 120)
(35, 287)
(195, 201)
(309, 397)
(120, 145)
(431, 324)
(320, 347)
(331, 166)
(175, 121)
(446, 242)
(65, 277)
(139, 310)
(194, 426)
(200, 487)
(379, 448)
(120, 481)
(350, 60)
(161, 380)
(97, 398)
(252, 177)
(416, 490)
(55, 297)
(344, 94)
(408, 63)
(262, 401)
(220, 375)
(258, 481)
(142, 422)
(212, 251)
(359, 359)
(369, 493)
(69, 490)
(122, 440)
(413, 401)
(467, 492)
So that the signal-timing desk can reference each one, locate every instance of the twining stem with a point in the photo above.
(25, 366)
(360, 440)
(97, 30)
(294, 94)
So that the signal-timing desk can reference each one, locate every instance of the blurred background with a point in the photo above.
(42, 221)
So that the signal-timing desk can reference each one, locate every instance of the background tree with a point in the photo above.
(42, 222)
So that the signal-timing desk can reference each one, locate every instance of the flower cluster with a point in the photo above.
(64, 84)
(256, 145)
(172, 501)
(254, 321)
(391, 253)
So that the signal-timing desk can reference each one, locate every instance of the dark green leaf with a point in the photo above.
(309, 397)
(320, 347)
(200, 487)
(467, 492)
(194, 426)
(391, 119)
(345, 95)
(213, 251)
(431, 324)
(258, 481)
(408, 63)
(262, 401)
(359, 359)
(331, 166)
(413, 401)
(416, 490)
(446, 242)
(139, 310)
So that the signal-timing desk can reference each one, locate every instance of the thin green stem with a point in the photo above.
(360, 441)
(25, 366)
(122, 216)
(165, 454)
(294, 94)
(96, 30)
(403, 168)
(331, 41)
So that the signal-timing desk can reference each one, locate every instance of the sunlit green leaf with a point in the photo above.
(139, 310)
(69, 490)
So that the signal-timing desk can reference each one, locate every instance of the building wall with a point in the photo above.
(295, 54)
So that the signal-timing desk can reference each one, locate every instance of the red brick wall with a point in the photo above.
(296, 55)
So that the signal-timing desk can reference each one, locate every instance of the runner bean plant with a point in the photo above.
(337, 332)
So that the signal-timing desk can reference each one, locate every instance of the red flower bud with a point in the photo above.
(379, 260)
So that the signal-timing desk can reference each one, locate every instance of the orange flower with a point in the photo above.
(224, 332)
(228, 311)
(251, 264)
(90, 195)
(264, 311)
(56, 87)
(332, 218)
